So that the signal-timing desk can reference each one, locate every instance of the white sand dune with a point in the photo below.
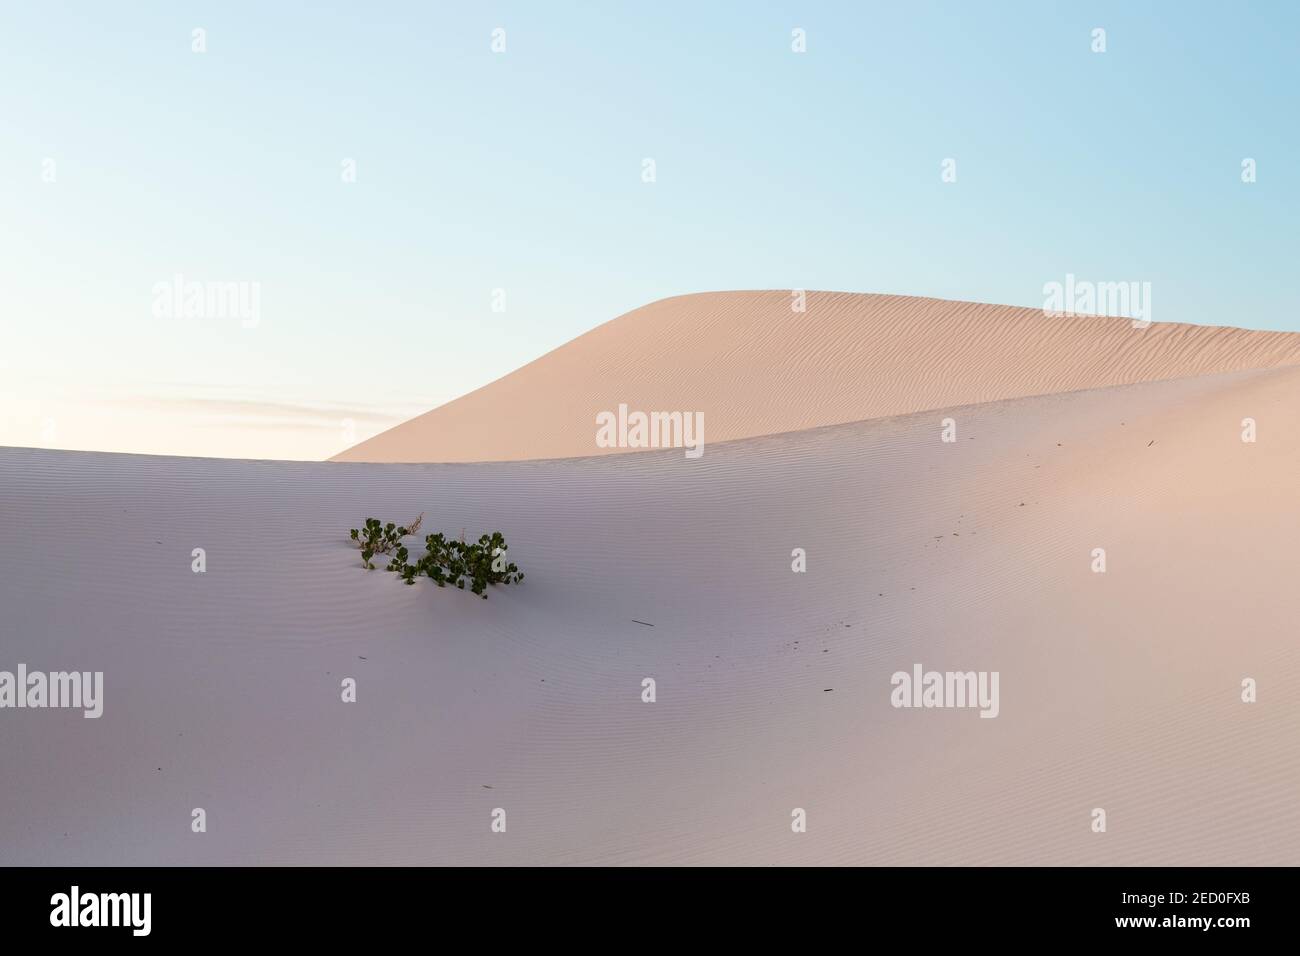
(755, 367)
(1118, 690)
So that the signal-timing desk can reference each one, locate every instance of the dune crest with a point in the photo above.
(753, 366)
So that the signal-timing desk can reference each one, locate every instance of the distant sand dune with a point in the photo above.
(755, 367)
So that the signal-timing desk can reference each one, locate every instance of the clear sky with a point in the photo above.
(127, 159)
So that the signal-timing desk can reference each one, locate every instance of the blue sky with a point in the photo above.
(522, 170)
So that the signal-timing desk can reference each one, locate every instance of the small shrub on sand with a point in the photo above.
(445, 561)
(376, 538)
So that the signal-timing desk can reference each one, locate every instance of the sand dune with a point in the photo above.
(1118, 690)
(755, 367)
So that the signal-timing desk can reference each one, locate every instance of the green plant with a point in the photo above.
(445, 561)
(375, 538)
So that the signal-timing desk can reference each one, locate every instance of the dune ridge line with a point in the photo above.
(752, 365)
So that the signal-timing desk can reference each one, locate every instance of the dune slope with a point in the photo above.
(755, 367)
(1118, 690)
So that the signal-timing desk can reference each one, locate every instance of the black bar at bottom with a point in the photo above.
(1222, 905)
